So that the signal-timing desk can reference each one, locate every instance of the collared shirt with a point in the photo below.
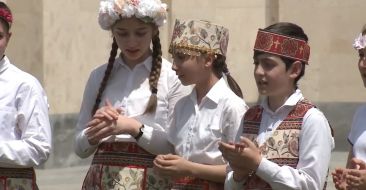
(197, 128)
(25, 137)
(315, 146)
(130, 90)
(357, 135)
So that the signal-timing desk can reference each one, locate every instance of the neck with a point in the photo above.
(204, 87)
(275, 102)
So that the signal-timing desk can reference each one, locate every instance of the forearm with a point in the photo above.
(82, 146)
(216, 173)
(24, 153)
(155, 141)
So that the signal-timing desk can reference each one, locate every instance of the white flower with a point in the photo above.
(111, 10)
(360, 42)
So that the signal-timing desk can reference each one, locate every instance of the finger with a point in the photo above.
(108, 103)
(247, 142)
(103, 133)
(227, 147)
(93, 122)
(95, 128)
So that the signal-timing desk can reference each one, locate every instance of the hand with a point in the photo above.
(339, 178)
(172, 166)
(356, 179)
(358, 164)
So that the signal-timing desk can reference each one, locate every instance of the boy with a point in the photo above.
(286, 141)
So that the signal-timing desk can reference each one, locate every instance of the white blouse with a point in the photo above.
(25, 137)
(197, 128)
(130, 90)
(357, 135)
(315, 146)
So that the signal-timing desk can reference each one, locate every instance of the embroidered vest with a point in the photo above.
(282, 147)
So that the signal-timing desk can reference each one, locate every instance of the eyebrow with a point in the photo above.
(141, 28)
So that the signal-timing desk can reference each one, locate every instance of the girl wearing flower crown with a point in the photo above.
(128, 99)
(211, 113)
(354, 175)
(25, 138)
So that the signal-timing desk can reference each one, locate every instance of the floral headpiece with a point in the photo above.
(6, 16)
(281, 45)
(195, 37)
(147, 10)
(360, 42)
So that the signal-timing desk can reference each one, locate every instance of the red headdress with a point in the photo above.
(282, 45)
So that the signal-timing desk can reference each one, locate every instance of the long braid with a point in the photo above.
(154, 74)
(107, 74)
(220, 67)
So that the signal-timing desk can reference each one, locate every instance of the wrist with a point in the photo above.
(140, 132)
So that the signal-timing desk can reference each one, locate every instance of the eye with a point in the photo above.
(141, 34)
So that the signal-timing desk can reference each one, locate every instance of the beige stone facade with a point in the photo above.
(60, 42)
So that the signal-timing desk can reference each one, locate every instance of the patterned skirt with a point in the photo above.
(190, 183)
(18, 178)
(123, 166)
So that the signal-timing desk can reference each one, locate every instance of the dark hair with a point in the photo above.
(219, 66)
(153, 78)
(292, 30)
(5, 23)
(364, 30)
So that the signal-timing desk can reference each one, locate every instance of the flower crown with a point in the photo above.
(360, 42)
(146, 10)
(6, 15)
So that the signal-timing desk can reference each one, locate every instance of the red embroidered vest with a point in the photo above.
(282, 147)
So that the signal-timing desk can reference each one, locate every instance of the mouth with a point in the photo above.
(132, 51)
(262, 83)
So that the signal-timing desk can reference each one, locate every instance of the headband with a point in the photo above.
(6, 15)
(150, 11)
(282, 45)
(360, 42)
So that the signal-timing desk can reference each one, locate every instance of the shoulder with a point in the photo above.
(24, 80)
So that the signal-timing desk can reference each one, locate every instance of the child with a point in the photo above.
(139, 91)
(286, 141)
(25, 138)
(211, 113)
(354, 177)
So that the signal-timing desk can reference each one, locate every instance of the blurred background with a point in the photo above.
(60, 42)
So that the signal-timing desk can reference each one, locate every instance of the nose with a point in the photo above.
(258, 69)
(362, 62)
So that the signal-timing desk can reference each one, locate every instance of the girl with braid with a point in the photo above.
(211, 113)
(354, 175)
(128, 99)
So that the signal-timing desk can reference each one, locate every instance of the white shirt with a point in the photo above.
(197, 128)
(130, 90)
(25, 137)
(357, 135)
(315, 146)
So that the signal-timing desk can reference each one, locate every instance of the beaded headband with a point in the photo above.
(282, 45)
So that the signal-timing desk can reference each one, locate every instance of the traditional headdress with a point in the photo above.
(146, 10)
(6, 15)
(360, 42)
(282, 45)
(195, 37)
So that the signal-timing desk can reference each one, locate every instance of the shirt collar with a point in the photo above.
(290, 102)
(214, 94)
(4, 62)
(147, 63)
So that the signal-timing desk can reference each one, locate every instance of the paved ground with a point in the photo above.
(72, 178)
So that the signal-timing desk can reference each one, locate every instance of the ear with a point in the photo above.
(295, 69)
(209, 60)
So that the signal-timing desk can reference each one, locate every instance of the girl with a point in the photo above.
(211, 113)
(139, 90)
(354, 177)
(25, 138)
